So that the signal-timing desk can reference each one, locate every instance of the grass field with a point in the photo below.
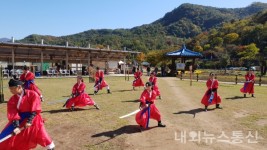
(88, 128)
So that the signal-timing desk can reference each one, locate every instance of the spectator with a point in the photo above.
(133, 70)
(156, 70)
(148, 70)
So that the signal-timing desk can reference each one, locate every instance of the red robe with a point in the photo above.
(99, 75)
(33, 135)
(138, 80)
(154, 82)
(142, 116)
(211, 86)
(80, 98)
(28, 79)
(248, 86)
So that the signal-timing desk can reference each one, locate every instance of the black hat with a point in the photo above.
(26, 68)
(148, 84)
(13, 82)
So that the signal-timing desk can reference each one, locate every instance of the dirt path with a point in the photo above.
(178, 109)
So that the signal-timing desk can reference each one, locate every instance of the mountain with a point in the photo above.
(4, 39)
(189, 18)
(186, 21)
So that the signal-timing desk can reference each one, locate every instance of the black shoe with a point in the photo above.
(72, 108)
(159, 97)
(244, 95)
(218, 106)
(252, 95)
(140, 128)
(95, 92)
(96, 106)
(206, 108)
(109, 92)
(161, 125)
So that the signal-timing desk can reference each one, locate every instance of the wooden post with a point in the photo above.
(42, 62)
(67, 60)
(190, 68)
(260, 81)
(197, 77)
(128, 74)
(91, 76)
(124, 59)
(125, 71)
(13, 59)
(235, 79)
(1, 86)
(181, 77)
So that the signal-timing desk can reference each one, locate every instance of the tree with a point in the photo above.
(140, 57)
(224, 60)
(230, 38)
(249, 53)
(153, 57)
(217, 41)
(198, 48)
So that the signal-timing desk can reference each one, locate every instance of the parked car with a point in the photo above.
(255, 68)
(243, 68)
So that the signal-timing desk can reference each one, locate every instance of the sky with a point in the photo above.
(20, 18)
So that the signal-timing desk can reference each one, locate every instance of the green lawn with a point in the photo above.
(243, 113)
(88, 124)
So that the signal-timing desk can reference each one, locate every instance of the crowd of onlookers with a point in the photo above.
(163, 71)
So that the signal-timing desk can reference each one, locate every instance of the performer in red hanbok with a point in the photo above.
(138, 80)
(211, 96)
(99, 81)
(28, 78)
(148, 108)
(25, 122)
(153, 79)
(79, 97)
(249, 84)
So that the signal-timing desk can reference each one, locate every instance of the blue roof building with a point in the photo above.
(184, 54)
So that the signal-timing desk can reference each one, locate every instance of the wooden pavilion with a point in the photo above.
(20, 52)
(184, 54)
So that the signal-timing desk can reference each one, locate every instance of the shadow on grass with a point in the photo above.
(64, 110)
(56, 101)
(193, 111)
(99, 93)
(133, 101)
(4, 102)
(236, 97)
(121, 91)
(66, 96)
(128, 129)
